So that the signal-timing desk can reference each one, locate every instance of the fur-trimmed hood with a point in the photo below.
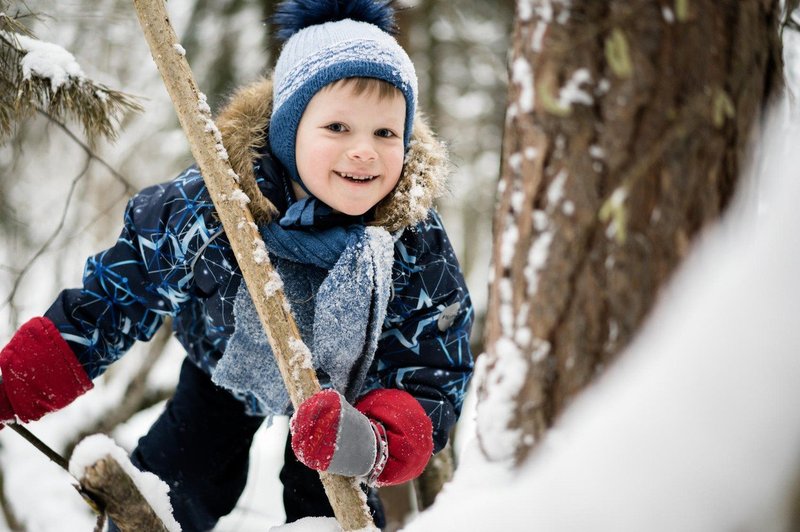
(244, 122)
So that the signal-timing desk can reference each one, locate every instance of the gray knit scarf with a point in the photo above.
(339, 312)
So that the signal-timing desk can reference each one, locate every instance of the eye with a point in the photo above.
(385, 133)
(336, 127)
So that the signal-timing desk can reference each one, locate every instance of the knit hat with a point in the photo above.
(329, 40)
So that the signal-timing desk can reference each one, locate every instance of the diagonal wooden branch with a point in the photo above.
(346, 497)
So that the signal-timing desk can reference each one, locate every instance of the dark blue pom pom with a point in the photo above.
(292, 16)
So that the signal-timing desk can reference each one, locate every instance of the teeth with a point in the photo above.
(356, 177)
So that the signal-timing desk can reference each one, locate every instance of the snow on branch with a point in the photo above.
(105, 470)
(38, 75)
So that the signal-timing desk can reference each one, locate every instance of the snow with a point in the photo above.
(537, 258)
(517, 201)
(96, 447)
(47, 60)
(316, 524)
(508, 243)
(261, 256)
(495, 410)
(522, 75)
(274, 282)
(211, 127)
(544, 11)
(695, 428)
(597, 152)
(515, 161)
(301, 355)
(310, 524)
(524, 10)
(202, 104)
(572, 92)
(239, 196)
(555, 192)
(506, 295)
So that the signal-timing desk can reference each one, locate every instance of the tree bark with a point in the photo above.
(124, 503)
(263, 282)
(625, 132)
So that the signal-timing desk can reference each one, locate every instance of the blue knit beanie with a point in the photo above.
(329, 40)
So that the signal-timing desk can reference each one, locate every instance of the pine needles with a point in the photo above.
(22, 93)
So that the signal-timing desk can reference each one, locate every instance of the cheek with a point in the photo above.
(394, 163)
(312, 159)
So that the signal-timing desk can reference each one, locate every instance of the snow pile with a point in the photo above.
(310, 524)
(155, 491)
(316, 524)
(695, 429)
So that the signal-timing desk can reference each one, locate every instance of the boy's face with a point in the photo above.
(350, 147)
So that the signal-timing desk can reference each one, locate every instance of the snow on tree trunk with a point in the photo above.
(624, 136)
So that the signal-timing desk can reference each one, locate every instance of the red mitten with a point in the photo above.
(387, 437)
(328, 434)
(40, 373)
(408, 431)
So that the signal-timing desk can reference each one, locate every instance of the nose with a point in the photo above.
(362, 150)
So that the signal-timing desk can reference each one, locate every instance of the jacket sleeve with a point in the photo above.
(424, 348)
(144, 277)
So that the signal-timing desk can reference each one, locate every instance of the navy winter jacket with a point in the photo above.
(174, 259)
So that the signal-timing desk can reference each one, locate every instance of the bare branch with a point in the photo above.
(52, 236)
(129, 187)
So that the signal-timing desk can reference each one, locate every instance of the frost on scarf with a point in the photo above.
(340, 317)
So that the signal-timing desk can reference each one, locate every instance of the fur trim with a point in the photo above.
(244, 134)
(244, 124)
(423, 180)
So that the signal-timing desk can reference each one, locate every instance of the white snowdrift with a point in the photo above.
(696, 428)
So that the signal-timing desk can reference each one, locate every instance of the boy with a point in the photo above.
(342, 189)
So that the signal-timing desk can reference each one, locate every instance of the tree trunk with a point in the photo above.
(624, 137)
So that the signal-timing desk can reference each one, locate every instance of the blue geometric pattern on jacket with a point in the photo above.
(173, 259)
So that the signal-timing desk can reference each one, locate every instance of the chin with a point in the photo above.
(354, 211)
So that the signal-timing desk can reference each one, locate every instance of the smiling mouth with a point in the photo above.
(356, 178)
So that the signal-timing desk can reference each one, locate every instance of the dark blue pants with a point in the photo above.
(200, 446)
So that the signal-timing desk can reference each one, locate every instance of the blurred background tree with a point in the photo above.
(629, 125)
